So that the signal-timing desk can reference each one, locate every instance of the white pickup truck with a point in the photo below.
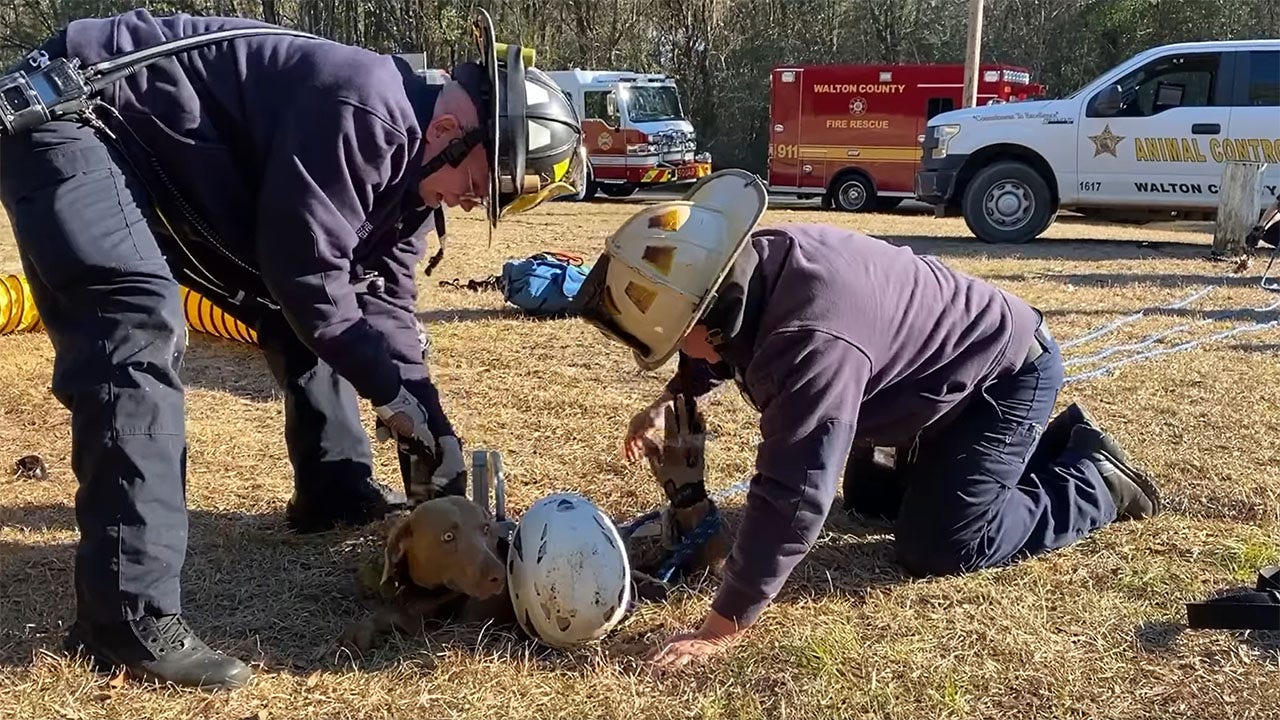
(1145, 141)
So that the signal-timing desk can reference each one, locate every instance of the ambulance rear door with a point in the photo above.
(786, 113)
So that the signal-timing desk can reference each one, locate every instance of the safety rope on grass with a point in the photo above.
(1116, 324)
(1218, 316)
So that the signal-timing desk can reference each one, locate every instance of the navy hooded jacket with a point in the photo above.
(303, 156)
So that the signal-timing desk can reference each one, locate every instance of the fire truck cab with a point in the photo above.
(850, 134)
(635, 130)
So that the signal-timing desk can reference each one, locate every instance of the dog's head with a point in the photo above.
(446, 542)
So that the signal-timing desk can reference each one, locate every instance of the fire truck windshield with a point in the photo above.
(649, 103)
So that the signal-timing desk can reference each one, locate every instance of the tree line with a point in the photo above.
(721, 51)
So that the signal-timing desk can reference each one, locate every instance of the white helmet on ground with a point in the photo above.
(660, 270)
(568, 572)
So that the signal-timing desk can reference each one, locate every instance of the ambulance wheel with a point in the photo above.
(853, 193)
(1008, 203)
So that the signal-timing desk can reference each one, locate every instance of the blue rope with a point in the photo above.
(701, 533)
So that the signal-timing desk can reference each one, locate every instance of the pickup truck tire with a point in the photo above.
(1008, 203)
(853, 192)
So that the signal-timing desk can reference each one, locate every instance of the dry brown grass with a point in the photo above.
(1093, 631)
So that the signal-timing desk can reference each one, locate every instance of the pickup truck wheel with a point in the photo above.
(853, 193)
(1008, 203)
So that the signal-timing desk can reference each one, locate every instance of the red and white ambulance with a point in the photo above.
(851, 134)
(635, 130)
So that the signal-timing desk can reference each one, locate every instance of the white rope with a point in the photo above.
(1214, 317)
(1111, 326)
(1105, 369)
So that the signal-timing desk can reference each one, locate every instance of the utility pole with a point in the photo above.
(973, 53)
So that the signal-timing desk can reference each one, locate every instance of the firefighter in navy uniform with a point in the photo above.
(284, 178)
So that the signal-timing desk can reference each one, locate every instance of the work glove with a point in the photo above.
(407, 418)
(452, 471)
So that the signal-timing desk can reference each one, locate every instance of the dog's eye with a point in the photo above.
(447, 537)
(485, 530)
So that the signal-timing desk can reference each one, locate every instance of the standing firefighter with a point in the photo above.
(283, 176)
(840, 339)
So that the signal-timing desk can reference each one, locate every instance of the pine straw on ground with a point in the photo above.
(1094, 631)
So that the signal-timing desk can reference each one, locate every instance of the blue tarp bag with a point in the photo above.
(543, 284)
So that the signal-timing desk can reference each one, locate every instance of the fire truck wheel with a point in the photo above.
(1008, 203)
(853, 193)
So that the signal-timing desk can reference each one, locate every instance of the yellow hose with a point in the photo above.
(203, 316)
(18, 313)
(17, 309)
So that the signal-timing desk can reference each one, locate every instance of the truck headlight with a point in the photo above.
(943, 134)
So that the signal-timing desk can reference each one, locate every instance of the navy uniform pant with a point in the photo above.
(982, 491)
(109, 300)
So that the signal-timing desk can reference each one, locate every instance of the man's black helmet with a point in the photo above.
(531, 133)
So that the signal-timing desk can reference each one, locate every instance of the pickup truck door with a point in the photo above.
(1255, 117)
(1143, 141)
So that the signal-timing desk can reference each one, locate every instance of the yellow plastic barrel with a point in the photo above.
(17, 308)
(203, 316)
(18, 313)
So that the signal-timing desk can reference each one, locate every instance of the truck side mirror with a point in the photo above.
(1108, 102)
(611, 108)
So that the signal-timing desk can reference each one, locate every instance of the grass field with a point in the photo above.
(1094, 631)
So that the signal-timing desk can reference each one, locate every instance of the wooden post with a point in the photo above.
(1238, 209)
(973, 53)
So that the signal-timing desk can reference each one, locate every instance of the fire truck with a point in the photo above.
(851, 134)
(635, 130)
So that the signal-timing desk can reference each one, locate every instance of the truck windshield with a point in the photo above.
(653, 102)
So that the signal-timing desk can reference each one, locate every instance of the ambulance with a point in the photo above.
(635, 130)
(1144, 141)
(850, 134)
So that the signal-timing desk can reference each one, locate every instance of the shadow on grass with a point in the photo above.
(217, 364)
(446, 315)
(249, 587)
(280, 600)
(1053, 249)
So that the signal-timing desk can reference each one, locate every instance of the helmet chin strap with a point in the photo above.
(454, 153)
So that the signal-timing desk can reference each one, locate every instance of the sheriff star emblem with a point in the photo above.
(1106, 142)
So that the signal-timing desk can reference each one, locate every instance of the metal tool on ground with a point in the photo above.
(489, 483)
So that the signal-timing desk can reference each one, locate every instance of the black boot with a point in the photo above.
(350, 504)
(162, 649)
(1134, 493)
(1057, 433)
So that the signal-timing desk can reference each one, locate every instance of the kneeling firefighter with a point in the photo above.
(845, 342)
(284, 177)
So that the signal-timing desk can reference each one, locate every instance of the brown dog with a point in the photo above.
(443, 560)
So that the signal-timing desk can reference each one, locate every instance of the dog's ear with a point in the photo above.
(394, 552)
